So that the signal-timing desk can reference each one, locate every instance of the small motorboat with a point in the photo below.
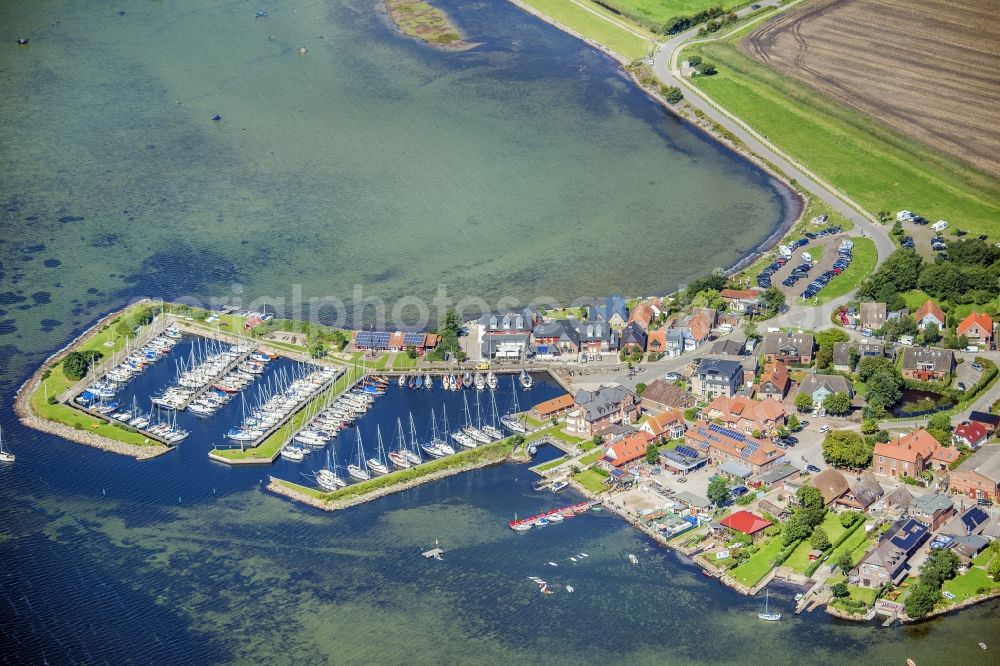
(217, 117)
(22, 41)
(555, 518)
(303, 51)
(559, 486)
(569, 588)
(553, 564)
(633, 559)
(261, 13)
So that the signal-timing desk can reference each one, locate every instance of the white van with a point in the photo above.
(806, 257)
(904, 216)
(940, 225)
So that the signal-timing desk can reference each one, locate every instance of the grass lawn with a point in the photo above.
(591, 458)
(856, 545)
(592, 480)
(659, 11)
(914, 298)
(965, 586)
(552, 463)
(751, 571)
(609, 31)
(983, 558)
(404, 362)
(877, 167)
(587, 445)
(861, 267)
(799, 559)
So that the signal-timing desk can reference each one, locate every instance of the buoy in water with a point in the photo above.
(22, 41)
(216, 117)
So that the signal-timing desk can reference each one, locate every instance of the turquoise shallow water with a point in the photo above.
(527, 166)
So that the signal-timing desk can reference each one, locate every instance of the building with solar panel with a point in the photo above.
(395, 341)
(724, 445)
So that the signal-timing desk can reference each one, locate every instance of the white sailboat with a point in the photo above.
(431, 448)
(510, 420)
(526, 380)
(5, 455)
(492, 381)
(377, 464)
(357, 470)
(480, 381)
(398, 455)
(412, 452)
(475, 431)
(327, 478)
(442, 442)
(493, 427)
(767, 615)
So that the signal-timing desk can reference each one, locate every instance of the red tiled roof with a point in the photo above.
(930, 307)
(660, 423)
(628, 449)
(984, 321)
(777, 374)
(554, 405)
(945, 454)
(699, 327)
(909, 446)
(735, 294)
(642, 314)
(660, 336)
(745, 522)
(971, 432)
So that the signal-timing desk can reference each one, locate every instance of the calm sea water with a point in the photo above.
(526, 166)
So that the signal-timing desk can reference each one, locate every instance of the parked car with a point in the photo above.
(977, 367)
(738, 491)
(672, 376)
(813, 469)
(961, 386)
(824, 428)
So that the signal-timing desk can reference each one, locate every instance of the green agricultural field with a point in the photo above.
(878, 168)
(599, 24)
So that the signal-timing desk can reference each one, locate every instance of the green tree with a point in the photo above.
(848, 518)
(773, 301)
(994, 569)
(694, 61)
(846, 448)
(884, 390)
(76, 364)
(897, 274)
(819, 540)
(840, 590)
(921, 600)
(750, 330)
(930, 334)
(845, 562)
(795, 529)
(793, 422)
(869, 426)
(718, 490)
(640, 388)
(869, 365)
(598, 441)
(317, 348)
(709, 298)
(411, 352)
(652, 453)
(672, 94)
(810, 498)
(823, 358)
(837, 403)
(940, 565)
(803, 402)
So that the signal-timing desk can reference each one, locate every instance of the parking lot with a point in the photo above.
(793, 276)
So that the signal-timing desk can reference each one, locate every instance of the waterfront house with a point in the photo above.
(613, 312)
(745, 414)
(695, 329)
(656, 341)
(682, 460)
(743, 301)
(888, 561)
(928, 364)
(593, 412)
(776, 477)
(625, 451)
(717, 377)
(789, 347)
(831, 484)
(633, 338)
(821, 387)
(932, 510)
(642, 315)
(555, 338)
(842, 353)
(745, 522)
(930, 313)
(872, 315)
(863, 492)
(985, 419)
(972, 520)
(669, 424)
(977, 328)
(723, 444)
(978, 477)
(908, 455)
(506, 334)
(774, 382)
(394, 341)
(664, 395)
(596, 337)
(970, 434)
(551, 409)
(694, 503)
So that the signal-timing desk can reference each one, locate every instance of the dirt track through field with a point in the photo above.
(928, 68)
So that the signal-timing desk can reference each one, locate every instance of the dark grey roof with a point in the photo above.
(509, 320)
(590, 331)
(788, 343)
(562, 329)
(664, 393)
(833, 383)
(778, 473)
(984, 417)
(985, 461)
(601, 401)
(865, 488)
(942, 360)
(612, 306)
(633, 334)
(930, 504)
(899, 497)
(728, 347)
(719, 367)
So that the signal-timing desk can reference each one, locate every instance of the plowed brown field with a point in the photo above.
(928, 68)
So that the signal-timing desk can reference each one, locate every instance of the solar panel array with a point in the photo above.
(749, 449)
(413, 339)
(687, 451)
(731, 434)
(372, 339)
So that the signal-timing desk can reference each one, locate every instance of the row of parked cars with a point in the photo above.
(844, 257)
(797, 274)
(829, 231)
(786, 251)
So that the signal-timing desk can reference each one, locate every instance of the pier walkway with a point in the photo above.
(225, 371)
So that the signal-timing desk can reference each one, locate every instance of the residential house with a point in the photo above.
(394, 341)
(831, 484)
(613, 312)
(723, 444)
(932, 510)
(977, 328)
(842, 353)
(555, 338)
(633, 338)
(888, 562)
(641, 315)
(908, 456)
(774, 382)
(553, 408)
(863, 492)
(695, 503)
(978, 477)
(970, 434)
(625, 451)
(728, 347)
(971, 521)
(820, 387)
(745, 522)
(985, 419)
(506, 334)
(596, 337)
(745, 414)
(776, 477)
(695, 329)
(595, 411)
(897, 502)
(968, 546)
(789, 347)
(744, 301)
(656, 341)
(664, 395)
(716, 376)
(674, 342)
(872, 315)
(928, 364)
(930, 313)
(665, 425)
(682, 460)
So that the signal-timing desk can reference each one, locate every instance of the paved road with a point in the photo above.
(666, 69)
